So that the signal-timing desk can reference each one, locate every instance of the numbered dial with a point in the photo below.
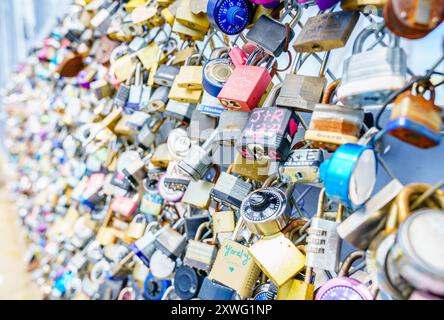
(266, 211)
(229, 16)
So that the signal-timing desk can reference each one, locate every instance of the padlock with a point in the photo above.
(344, 287)
(125, 206)
(161, 156)
(187, 282)
(154, 289)
(137, 227)
(146, 136)
(296, 289)
(230, 126)
(201, 126)
(151, 203)
(415, 119)
(349, 176)
(200, 255)
(185, 16)
(326, 32)
(301, 92)
(223, 221)
(362, 4)
(180, 111)
(165, 74)
(184, 95)
(333, 125)
(228, 17)
(271, 35)
(135, 90)
(234, 267)
(123, 67)
(230, 190)
(363, 225)
(71, 65)
(301, 166)
(267, 211)
(122, 94)
(361, 85)
(170, 242)
(244, 88)
(175, 179)
(198, 160)
(211, 290)
(149, 55)
(185, 32)
(158, 99)
(413, 19)
(167, 193)
(198, 192)
(190, 74)
(256, 170)
(269, 131)
(161, 266)
(323, 242)
(265, 291)
(277, 257)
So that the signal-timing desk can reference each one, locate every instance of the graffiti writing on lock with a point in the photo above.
(242, 254)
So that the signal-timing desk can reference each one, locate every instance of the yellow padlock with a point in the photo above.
(186, 33)
(184, 95)
(295, 289)
(190, 75)
(186, 17)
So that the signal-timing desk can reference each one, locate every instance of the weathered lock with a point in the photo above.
(277, 257)
(200, 255)
(415, 119)
(137, 227)
(228, 17)
(198, 192)
(195, 224)
(187, 282)
(344, 287)
(198, 160)
(165, 74)
(179, 111)
(362, 4)
(267, 211)
(333, 125)
(271, 35)
(302, 166)
(122, 94)
(230, 190)
(326, 32)
(158, 99)
(186, 17)
(301, 92)
(101, 88)
(244, 88)
(234, 267)
(413, 19)
(269, 131)
(363, 85)
(323, 242)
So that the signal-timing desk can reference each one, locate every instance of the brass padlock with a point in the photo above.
(187, 33)
(253, 169)
(326, 32)
(223, 221)
(190, 75)
(296, 289)
(182, 94)
(277, 257)
(137, 227)
(198, 193)
(185, 16)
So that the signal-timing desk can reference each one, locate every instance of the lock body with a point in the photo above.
(200, 255)
(230, 191)
(244, 88)
(302, 166)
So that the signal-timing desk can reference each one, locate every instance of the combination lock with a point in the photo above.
(266, 211)
(229, 16)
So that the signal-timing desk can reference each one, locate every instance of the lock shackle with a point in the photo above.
(321, 204)
(421, 87)
(348, 261)
(406, 197)
(220, 52)
(329, 91)
(200, 229)
(193, 60)
(272, 178)
(270, 101)
(379, 32)
(294, 226)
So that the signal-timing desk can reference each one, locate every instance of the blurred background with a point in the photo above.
(23, 23)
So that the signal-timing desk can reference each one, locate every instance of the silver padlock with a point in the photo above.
(158, 99)
(230, 191)
(323, 242)
(370, 76)
(179, 111)
(170, 241)
(165, 74)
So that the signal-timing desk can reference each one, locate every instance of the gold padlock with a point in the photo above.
(161, 157)
(296, 289)
(149, 55)
(133, 4)
(277, 257)
(223, 221)
(362, 4)
(123, 68)
(182, 55)
(186, 17)
(197, 194)
(235, 268)
(186, 33)
(184, 95)
(256, 170)
(137, 227)
(190, 75)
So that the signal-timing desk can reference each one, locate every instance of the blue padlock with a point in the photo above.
(229, 16)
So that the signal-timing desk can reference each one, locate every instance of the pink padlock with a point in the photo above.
(124, 206)
(238, 56)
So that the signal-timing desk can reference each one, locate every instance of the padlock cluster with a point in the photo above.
(163, 150)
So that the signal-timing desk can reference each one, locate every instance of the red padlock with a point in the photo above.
(245, 87)
(238, 56)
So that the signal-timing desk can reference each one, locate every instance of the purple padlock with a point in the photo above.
(267, 3)
(82, 79)
(322, 4)
(344, 288)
